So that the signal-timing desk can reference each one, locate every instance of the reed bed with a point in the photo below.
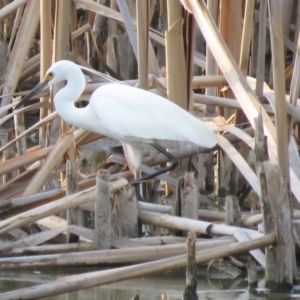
(234, 66)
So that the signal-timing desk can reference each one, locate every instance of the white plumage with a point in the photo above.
(135, 117)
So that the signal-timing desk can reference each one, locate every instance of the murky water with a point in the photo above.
(213, 284)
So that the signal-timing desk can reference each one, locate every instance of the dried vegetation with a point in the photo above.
(239, 72)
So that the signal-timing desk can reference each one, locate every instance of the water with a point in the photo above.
(213, 284)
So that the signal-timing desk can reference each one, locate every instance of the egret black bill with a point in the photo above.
(33, 92)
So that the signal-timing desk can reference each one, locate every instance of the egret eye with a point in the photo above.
(50, 75)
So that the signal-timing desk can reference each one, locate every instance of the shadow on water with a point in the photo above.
(212, 284)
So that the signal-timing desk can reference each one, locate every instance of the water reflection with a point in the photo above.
(212, 284)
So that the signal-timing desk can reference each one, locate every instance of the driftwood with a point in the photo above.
(87, 280)
(53, 208)
(126, 255)
(188, 224)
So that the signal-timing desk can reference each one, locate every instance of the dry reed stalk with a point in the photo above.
(129, 25)
(238, 84)
(100, 9)
(31, 61)
(87, 280)
(31, 71)
(18, 202)
(50, 164)
(16, 25)
(286, 8)
(19, 52)
(11, 7)
(167, 240)
(60, 48)
(180, 223)
(142, 13)
(175, 56)
(211, 66)
(78, 32)
(239, 162)
(198, 82)
(51, 249)
(260, 67)
(45, 58)
(295, 84)
(19, 123)
(246, 36)
(54, 207)
(297, 25)
(163, 209)
(23, 160)
(32, 240)
(27, 108)
(279, 88)
(232, 103)
(286, 41)
(230, 26)
(16, 186)
(257, 254)
(33, 127)
(98, 257)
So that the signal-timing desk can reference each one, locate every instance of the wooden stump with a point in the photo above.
(233, 211)
(103, 211)
(189, 197)
(190, 291)
(276, 207)
(252, 275)
(125, 214)
(75, 215)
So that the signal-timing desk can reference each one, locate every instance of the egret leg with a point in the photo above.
(163, 170)
(134, 158)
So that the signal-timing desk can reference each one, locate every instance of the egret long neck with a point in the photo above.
(66, 97)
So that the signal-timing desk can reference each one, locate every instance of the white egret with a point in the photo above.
(137, 118)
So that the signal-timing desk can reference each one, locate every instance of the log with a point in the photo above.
(49, 249)
(88, 280)
(167, 240)
(180, 223)
(53, 208)
(106, 257)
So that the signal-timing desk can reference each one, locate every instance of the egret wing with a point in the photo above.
(129, 112)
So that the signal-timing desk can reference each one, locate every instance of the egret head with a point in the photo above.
(59, 71)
